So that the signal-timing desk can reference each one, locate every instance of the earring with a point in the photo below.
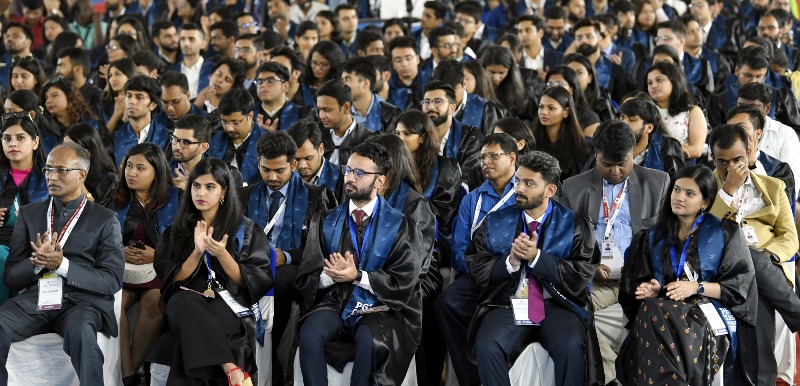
(222, 201)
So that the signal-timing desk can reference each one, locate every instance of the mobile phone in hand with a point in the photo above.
(136, 244)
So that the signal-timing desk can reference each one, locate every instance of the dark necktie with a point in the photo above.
(358, 216)
(274, 204)
(535, 294)
(360, 219)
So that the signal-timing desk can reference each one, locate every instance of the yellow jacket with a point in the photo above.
(773, 224)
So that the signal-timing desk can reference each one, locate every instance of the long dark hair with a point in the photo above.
(334, 20)
(511, 91)
(30, 64)
(571, 77)
(571, 145)
(159, 190)
(419, 123)
(28, 101)
(518, 130)
(332, 53)
(403, 167)
(86, 136)
(229, 215)
(668, 226)
(29, 126)
(679, 99)
(483, 86)
(125, 66)
(592, 92)
(77, 107)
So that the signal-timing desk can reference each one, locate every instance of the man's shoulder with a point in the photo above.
(580, 181)
(98, 211)
(648, 176)
(772, 185)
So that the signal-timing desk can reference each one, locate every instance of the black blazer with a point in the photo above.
(95, 254)
(356, 137)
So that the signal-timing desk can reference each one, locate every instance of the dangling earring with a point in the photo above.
(222, 201)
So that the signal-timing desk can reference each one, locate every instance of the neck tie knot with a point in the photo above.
(274, 203)
(533, 227)
(358, 216)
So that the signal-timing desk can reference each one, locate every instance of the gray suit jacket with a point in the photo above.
(647, 188)
(95, 253)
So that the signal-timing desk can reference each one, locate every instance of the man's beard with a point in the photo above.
(169, 50)
(530, 204)
(440, 119)
(586, 49)
(361, 195)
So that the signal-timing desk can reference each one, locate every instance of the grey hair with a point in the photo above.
(83, 156)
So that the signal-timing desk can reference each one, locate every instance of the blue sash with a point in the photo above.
(378, 242)
(309, 97)
(373, 119)
(428, 191)
(693, 69)
(398, 198)
(473, 111)
(453, 140)
(654, 159)
(37, 186)
(290, 114)
(293, 217)
(249, 167)
(330, 175)
(710, 244)
(603, 68)
(164, 216)
(125, 139)
(399, 93)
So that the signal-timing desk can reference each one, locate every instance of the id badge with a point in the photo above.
(520, 307)
(233, 304)
(608, 249)
(714, 320)
(612, 257)
(51, 292)
(750, 235)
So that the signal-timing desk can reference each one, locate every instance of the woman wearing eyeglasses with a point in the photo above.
(66, 106)
(226, 75)
(21, 178)
(211, 261)
(558, 133)
(567, 78)
(146, 203)
(101, 179)
(113, 108)
(323, 64)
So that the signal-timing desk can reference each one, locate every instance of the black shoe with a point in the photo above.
(134, 379)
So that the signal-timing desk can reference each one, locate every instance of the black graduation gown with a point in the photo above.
(445, 200)
(257, 279)
(576, 273)
(389, 114)
(356, 137)
(396, 333)
(738, 289)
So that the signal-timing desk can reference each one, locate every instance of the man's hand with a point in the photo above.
(616, 58)
(268, 124)
(603, 273)
(341, 269)
(180, 180)
(47, 252)
(281, 257)
(737, 174)
(524, 247)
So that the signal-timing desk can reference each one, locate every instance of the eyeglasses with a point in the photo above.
(663, 38)
(357, 173)
(450, 46)
(557, 83)
(112, 47)
(183, 142)
(492, 156)
(248, 25)
(320, 65)
(269, 81)
(244, 50)
(60, 171)
(698, 5)
(437, 102)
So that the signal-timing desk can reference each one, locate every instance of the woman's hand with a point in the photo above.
(648, 290)
(204, 95)
(132, 255)
(200, 231)
(3, 212)
(119, 106)
(680, 290)
(216, 248)
(103, 71)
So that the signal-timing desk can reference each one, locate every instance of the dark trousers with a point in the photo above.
(285, 294)
(455, 308)
(562, 333)
(774, 294)
(78, 324)
(431, 351)
(321, 327)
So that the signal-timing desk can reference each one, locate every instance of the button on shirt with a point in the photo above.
(325, 281)
(337, 141)
(193, 76)
(536, 63)
(621, 231)
(748, 195)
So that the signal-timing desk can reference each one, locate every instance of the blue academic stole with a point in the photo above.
(373, 122)
(293, 218)
(473, 110)
(37, 188)
(654, 159)
(249, 167)
(693, 69)
(428, 191)
(453, 140)
(604, 68)
(710, 245)
(329, 176)
(399, 93)
(125, 139)
(378, 241)
(308, 95)
(164, 216)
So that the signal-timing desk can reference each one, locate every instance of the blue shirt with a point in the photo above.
(362, 120)
(462, 226)
(276, 229)
(621, 231)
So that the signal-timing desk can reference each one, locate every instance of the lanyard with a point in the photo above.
(676, 266)
(212, 276)
(615, 209)
(741, 204)
(275, 218)
(475, 222)
(354, 239)
(64, 234)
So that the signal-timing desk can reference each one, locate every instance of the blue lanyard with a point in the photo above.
(678, 267)
(211, 275)
(525, 227)
(353, 238)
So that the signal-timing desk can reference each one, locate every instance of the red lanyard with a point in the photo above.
(71, 218)
(616, 203)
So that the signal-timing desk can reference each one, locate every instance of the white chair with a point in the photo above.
(159, 372)
(41, 360)
(533, 367)
(336, 378)
(785, 350)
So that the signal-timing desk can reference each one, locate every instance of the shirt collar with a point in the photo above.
(347, 132)
(58, 204)
(486, 187)
(273, 112)
(284, 190)
(375, 98)
(195, 67)
(463, 104)
(318, 176)
(143, 133)
(368, 209)
(528, 218)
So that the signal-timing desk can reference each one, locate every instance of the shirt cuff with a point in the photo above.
(509, 267)
(63, 268)
(535, 260)
(726, 197)
(288, 257)
(364, 283)
(325, 281)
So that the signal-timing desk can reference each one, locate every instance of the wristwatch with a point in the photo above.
(359, 275)
(700, 288)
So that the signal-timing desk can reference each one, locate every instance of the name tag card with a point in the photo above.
(713, 318)
(750, 235)
(612, 257)
(51, 292)
(520, 307)
(234, 305)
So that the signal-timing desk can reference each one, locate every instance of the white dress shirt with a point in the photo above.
(536, 63)
(745, 201)
(781, 142)
(424, 47)
(523, 280)
(325, 281)
(143, 133)
(337, 141)
(193, 76)
(297, 16)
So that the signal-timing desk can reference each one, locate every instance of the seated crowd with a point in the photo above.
(425, 193)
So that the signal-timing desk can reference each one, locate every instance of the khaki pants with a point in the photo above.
(609, 323)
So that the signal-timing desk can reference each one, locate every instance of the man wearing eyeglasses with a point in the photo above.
(275, 112)
(456, 304)
(445, 44)
(535, 56)
(175, 100)
(189, 144)
(341, 131)
(235, 144)
(471, 109)
(360, 273)
(246, 53)
(368, 108)
(771, 25)
(248, 25)
(620, 198)
(282, 204)
(457, 141)
(66, 260)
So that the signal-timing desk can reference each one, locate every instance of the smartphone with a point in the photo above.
(136, 244)
(99, 6)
